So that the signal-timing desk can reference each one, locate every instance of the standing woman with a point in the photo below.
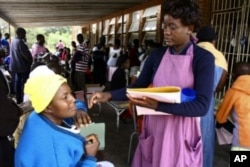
(207, 39)
(173, 140)
(38, 47)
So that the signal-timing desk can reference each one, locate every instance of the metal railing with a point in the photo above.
(231, 21)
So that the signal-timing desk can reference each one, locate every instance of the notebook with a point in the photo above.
(95, 128)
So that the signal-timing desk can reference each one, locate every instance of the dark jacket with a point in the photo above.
(21, 58)
(118, 80)
(9, 111)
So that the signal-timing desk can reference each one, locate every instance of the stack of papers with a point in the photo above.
(168, 94)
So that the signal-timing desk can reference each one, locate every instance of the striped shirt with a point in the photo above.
(82, 65)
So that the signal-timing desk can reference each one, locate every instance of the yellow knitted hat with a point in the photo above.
(41, 89)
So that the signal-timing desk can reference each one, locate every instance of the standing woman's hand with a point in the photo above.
(143, 102)
(81, 118)
(98, 97)
(91, 145)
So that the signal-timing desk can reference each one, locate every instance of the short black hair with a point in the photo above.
(136, 42)
(187, 11)
(206, 34)
(55, 67)
(20, 31)
(80, 38)
(36, 64)
(121, 60)
(39, 36)
(7, 35)
(241, 68)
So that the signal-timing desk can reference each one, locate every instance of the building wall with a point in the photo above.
(205, 6)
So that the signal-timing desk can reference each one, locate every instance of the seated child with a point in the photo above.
(236, 101)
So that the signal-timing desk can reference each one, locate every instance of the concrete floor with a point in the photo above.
(116, 149)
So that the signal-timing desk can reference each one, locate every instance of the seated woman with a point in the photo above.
(47, 140)
(120, 78)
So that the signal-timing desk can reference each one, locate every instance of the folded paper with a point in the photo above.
(95, 128)
(168, 94)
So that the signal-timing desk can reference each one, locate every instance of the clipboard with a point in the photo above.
(95, 128)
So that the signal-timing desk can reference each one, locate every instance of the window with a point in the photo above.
(150, 25)
(124, 19)
(134, 27)
(123, 39)
(120, 29)
(106, 27)
(100, 28)
(135, 22)
(111, 39)
(152, 11)
(112, 22)
(94, 28)
(112, 30)
(135, 16)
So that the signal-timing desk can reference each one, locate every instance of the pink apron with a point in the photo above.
(171, 141)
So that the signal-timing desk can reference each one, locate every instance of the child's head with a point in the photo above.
(54, 58)
(123, 61)
(240, 68)
(54, 66)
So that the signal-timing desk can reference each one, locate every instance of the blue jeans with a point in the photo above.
(208, 135)
(20, 79)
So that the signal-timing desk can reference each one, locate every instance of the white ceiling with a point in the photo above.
(40, 13)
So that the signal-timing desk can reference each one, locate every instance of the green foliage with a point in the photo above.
(4, 26)
(52, 36)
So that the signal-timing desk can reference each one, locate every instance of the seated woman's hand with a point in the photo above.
(92, 144)
(98, 97)
(143, 102)
(81, 119)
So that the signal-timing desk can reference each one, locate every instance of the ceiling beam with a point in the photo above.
(7, 19)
